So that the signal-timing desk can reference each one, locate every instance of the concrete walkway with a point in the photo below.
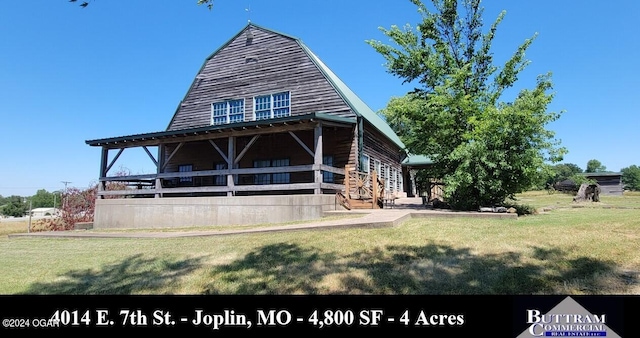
(402, 210)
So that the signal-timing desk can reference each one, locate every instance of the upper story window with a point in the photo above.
(272, 106)
(227, 112)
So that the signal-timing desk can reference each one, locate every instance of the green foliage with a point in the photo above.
(14, 207)
(594, 166)
(564, 171)
(631, 177)
(521, 209)
(581, 179)
(43, 199)
(485, 150)
(558, 173)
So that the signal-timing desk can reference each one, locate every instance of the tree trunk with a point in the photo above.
(588, 192)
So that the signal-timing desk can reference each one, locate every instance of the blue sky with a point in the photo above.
(121, 67)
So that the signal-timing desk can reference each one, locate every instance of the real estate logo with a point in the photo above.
(567, 319)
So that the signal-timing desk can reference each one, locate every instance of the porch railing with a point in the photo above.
(164, 183)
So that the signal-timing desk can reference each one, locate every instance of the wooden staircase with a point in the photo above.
(362, 190)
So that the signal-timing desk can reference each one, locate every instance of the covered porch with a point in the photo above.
(283, 156)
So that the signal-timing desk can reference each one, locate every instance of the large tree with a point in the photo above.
(45, 199)
(631, 177)
(563, 171)
(484, 149)
(594, 166)
(14, 206)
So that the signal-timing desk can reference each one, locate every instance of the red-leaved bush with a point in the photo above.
(79, 205)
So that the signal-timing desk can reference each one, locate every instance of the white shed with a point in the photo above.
(44, 212)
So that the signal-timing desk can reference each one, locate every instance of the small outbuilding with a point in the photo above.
(610, 183)
(44, 212)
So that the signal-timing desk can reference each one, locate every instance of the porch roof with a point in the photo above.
(417, 161)
(133, 140)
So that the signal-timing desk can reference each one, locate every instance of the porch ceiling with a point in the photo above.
(283, 124)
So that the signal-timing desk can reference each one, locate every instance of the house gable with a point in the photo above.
(258, 62)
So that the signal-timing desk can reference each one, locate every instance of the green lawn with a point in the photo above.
(591, 248)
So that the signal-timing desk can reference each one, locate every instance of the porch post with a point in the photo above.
(360, 138)
(103, 170)
(160, 166)
(317, 157)
(231, 157)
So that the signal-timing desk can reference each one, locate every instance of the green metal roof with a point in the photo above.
(356, 104)
(416, 160)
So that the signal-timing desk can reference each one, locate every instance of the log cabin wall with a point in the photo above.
(378, 148)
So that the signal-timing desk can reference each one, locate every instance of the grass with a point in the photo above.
(592, 249)
(12, 227)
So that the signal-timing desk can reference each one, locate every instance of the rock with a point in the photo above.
(493, 209)
(512, 210)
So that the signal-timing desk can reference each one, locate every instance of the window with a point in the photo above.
(394, 178)
(271, 178)
(185, 168)
(400, 181)
(227, 112)
(378, 168)
(387, 176)
(280, 178)
(327, 177)
(365, 164)
(220, 179)
(262, 178)
(272, 106)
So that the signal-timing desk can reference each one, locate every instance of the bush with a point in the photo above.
(77, 206)
(522, 209)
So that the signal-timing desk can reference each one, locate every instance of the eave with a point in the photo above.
(247, 127)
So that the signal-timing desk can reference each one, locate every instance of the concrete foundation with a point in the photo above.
(208, 211)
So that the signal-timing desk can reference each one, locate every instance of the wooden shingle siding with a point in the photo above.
(271, 63)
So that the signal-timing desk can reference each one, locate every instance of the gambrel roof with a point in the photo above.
(358, 107)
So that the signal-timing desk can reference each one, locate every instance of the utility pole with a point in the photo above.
(30, 207)
(29, 228)
(64, 200)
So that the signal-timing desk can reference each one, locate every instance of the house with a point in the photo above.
(266, 133)
(610, 182)
(44, 212)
